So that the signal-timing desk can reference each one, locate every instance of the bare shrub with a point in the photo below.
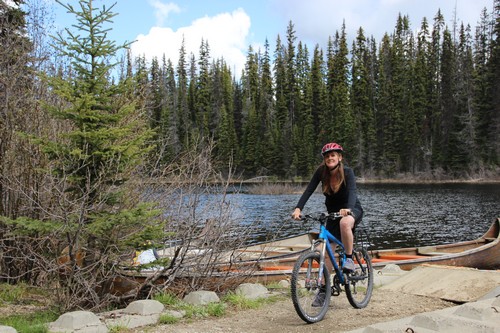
(201, 229)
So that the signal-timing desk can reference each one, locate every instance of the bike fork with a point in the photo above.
(321, 281)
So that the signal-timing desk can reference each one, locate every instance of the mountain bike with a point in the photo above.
(310, 275)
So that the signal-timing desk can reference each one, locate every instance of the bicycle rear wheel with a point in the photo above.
(306, 284)
(359, 285)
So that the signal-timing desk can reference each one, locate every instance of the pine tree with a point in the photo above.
(363, 151)
(464, 120)
(448, 101)
(435, 91)
(203, 98)
(494, 90)
(184, 124)
(421, 82)
(318, 95)
(341, 126)
(387, 162)
(227, 148)
(170, 140)
(267, 107)
(304, 135)
(252, 131)
(487, 68)
(281, 129)
(91, 163)
(192, 104)
(291, 98)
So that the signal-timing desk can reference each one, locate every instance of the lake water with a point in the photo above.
(395, 215)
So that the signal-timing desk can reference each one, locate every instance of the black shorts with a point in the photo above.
(333, 226)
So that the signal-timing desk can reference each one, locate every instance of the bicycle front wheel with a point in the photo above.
(359, 285)
(310, 292)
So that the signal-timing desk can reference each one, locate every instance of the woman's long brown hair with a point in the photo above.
(339, 179)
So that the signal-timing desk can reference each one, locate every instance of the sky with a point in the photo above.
(157, 27)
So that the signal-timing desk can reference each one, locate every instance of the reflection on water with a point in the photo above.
(395, 215)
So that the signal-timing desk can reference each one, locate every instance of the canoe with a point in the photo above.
(274, 260)
(480, 253)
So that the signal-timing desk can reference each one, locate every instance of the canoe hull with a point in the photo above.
(273, 261)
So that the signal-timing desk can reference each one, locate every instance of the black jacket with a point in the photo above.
(346, 197)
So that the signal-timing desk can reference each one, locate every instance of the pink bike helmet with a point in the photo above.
(332, 146)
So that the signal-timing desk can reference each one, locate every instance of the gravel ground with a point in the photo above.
(281, 316)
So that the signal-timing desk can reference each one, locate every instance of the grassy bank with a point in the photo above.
(298, 187)
(29, 309)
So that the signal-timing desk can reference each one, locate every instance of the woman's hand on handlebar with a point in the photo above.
(345, 211)
(296, 214)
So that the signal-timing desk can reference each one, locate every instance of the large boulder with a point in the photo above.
(144, 307)
(78, 321)
(252, 290)
(201, 297)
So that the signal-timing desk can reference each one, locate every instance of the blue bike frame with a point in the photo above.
(326, 235)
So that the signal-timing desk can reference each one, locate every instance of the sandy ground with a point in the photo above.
(281, 316)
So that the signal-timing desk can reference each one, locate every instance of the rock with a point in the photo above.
(7, 329)
(391, 268)
(144, 307)
(201, 297)
(78, 321)
(175, 314)
(252, 290)
(284, 283)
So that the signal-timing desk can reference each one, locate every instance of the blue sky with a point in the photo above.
(231, 26)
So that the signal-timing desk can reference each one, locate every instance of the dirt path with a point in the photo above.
(281, 316)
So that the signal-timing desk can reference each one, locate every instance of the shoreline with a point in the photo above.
(428, 181)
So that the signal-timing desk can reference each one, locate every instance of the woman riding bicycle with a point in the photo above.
(339, 187)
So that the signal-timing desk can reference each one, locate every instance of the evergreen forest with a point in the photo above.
(423, 101)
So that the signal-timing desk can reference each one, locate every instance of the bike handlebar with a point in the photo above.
(321, 216)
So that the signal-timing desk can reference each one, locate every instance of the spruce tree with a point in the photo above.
(184, 119)
(102, 140)
(267, 107)
(363, 151)
(203, 99)
(494, 89)
(488, 73)
(421, 82)
(341, 127)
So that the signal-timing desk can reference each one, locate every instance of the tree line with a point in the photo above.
(417, 103)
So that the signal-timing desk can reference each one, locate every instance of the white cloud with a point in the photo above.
(225, 33)
(163, 10)
(316, 20)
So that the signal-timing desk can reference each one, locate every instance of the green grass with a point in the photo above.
(117, 329)
(34, 321)
(30, 322)
(167, 299)
(168, 319)
(231, 301)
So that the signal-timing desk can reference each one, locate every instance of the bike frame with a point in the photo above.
(325, 237)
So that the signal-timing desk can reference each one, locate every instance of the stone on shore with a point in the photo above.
(136, 314)
(78, 321)
(201, 297)
(252, 290)
(144, 307)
